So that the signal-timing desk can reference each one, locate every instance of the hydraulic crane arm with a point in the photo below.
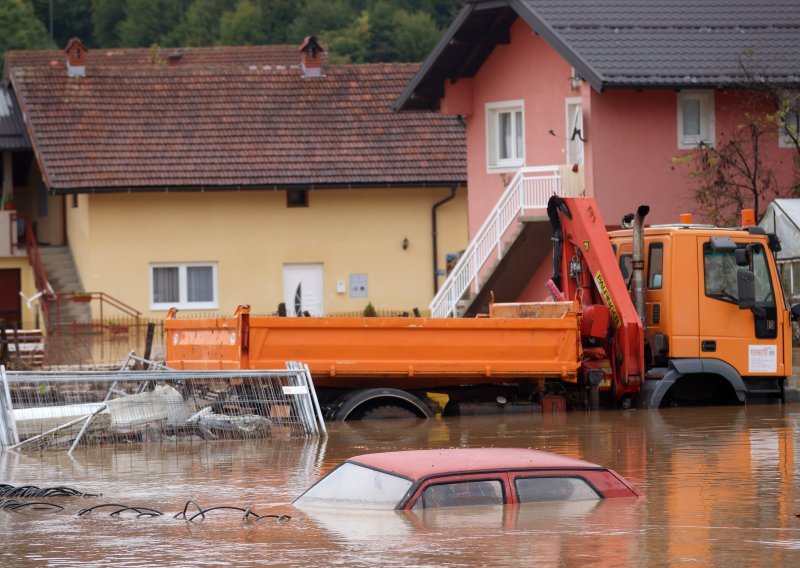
(583, 255)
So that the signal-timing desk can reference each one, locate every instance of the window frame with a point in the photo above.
(419, 493)
(707, 119)
(183, 286)
(657, 245)
(495, 164)
(570, 103)
(587, 482)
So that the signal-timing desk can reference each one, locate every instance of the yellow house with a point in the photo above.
(204, 178)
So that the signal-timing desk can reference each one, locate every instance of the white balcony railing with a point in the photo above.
(529, 189)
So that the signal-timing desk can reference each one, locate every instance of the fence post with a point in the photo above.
(8, 410)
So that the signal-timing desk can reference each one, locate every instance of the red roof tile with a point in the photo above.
(146, 127)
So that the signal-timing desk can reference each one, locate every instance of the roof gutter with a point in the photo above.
(254, 187)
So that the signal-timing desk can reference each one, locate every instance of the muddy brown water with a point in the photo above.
(720, 485)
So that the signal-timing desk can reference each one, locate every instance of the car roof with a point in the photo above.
(416, 464)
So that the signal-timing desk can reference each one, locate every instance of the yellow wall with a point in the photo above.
(28, 287)
(115, 237)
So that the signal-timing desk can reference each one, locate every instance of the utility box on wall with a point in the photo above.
(358, 285)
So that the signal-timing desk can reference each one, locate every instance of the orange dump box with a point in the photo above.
(518, 341)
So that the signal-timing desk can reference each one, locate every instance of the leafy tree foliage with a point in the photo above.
(243, 25)
(20, 27)
(71, 18)
(107, 15)
(147, 22)
(201, 25)
(354, 30)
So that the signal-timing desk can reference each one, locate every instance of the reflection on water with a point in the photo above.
(719, 486)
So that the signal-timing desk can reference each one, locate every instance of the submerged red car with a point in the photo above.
(422, 479)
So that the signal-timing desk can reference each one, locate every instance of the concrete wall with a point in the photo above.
(251, 235)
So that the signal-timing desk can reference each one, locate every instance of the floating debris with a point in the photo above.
(33, 491)
(34, 505)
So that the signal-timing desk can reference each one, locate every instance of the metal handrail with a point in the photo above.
(530, 188)
(35, 260)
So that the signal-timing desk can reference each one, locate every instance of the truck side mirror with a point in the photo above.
(795, 311)
(746, 283)
(742, 256)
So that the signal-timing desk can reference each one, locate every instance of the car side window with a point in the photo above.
(461, 493)
(535, 489)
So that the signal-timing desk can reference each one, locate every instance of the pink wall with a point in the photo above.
(528, 69)
(631, 138)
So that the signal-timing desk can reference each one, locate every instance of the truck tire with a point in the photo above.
(374, 404)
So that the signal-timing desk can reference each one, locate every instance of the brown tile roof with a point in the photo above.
(230, 127)
(227, 56)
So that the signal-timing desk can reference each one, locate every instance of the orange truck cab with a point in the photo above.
(717, 325)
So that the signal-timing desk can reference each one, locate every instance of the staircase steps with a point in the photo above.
(64, 277)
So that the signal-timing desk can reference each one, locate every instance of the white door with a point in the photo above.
(302, 288)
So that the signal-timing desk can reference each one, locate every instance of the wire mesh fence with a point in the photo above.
(100, 344)
(65, 409)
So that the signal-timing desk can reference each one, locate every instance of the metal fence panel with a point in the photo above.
(62, 409)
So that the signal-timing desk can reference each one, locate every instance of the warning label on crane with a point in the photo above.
(612, 309)
(586, 245)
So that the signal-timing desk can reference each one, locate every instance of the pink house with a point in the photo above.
(595, 98)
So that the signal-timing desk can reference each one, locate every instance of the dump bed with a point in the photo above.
(391, 352)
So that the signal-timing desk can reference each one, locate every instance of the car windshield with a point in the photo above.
(353, 486)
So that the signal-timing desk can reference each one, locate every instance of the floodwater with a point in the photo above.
(721, 489)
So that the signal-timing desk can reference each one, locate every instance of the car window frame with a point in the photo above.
(416, 492)
(551, 475)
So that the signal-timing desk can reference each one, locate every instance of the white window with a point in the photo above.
(186, 286)
(695, 118)
(575, 135)
(505, 133)
(790, 122)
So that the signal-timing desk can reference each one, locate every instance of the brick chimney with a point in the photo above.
(311, 60)
(76, 58)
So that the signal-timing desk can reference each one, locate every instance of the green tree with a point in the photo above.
(201, 24)
(321, 16)
(148, 22)
(276, 17)
(71, 18)
(21, 28)
(350, 44)
(414, 35)
(107, 15)
(242, 26)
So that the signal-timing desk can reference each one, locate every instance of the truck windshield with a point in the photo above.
(720, 276)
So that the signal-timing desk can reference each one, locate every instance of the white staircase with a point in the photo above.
(530, 189)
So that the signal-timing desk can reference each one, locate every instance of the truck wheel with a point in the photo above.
(385, 412)
(375, 404)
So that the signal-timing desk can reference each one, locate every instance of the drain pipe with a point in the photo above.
(453, 188)
(638, 260)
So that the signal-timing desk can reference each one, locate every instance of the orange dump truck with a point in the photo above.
(666, 315)
(380, 367)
